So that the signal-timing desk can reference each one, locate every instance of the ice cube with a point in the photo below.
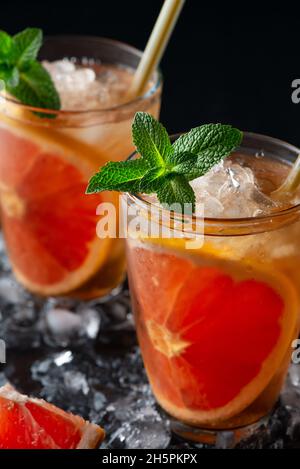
(58, 67)
(64, 326)
(147, 435)
(99, 401)
(140, 435)
(212, 205)
(124, 408)
(230, 190)
(90, 322)
(63, 358)
(11, 291)
(77, 86)
(235, 183)
(76, 382)
(80, 88)
(63, 322)
(41, 368)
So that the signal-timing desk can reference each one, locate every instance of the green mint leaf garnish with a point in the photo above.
(25, 78)
(210, 144)
(151, 139)
(165, 169)
(120, 176)
(27, 44)
(35, 87)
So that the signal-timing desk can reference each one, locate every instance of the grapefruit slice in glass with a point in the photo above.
(213, 334)
(49, 222)
(28, 423)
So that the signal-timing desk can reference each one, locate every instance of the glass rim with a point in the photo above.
(227, 223)
(119, 107)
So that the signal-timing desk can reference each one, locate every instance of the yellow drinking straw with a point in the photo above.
(156, 45)
(291, 182)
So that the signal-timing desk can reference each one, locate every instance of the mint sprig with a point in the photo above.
(163, 168)
(25, 78)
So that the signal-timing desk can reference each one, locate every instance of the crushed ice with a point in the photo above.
(230, 190)
(99, 373)
(81, 88)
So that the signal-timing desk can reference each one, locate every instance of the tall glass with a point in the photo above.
(46, 160)
(216, 320)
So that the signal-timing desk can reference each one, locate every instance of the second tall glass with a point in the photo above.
(46, 160)
(216, 321)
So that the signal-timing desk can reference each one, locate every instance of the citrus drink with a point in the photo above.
(216, 321)
(46, 160)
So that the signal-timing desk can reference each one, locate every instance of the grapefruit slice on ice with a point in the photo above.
(49, 222)
(212, 336)
(28, 423)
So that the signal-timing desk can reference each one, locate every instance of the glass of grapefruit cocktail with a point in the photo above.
(47, 158)
(216, 321)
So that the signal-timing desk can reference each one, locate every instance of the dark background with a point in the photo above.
(230, 64)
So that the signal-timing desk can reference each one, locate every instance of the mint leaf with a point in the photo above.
(35, 88)
(151, 139)
(119, 176)
(27, 45)
(210, 144)
(6, 45)
(176, 190)
(166, 169)
(25, 77)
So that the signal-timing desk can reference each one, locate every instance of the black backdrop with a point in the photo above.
(232, 64)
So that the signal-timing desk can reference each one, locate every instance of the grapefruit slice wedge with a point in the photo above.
(28, 423)
(212, 334)
(49, 223)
